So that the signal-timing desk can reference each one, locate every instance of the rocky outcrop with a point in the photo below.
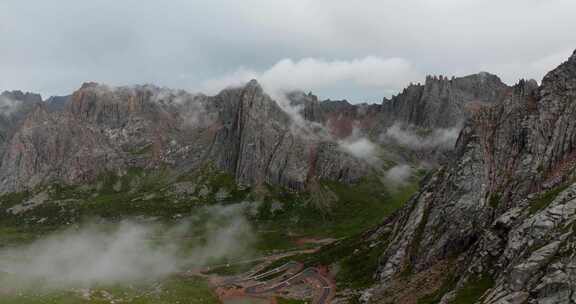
(14, 107)
(55, 146)
(19, 96)
(73, 139)
(440, 102)
(502, 211)
(57, 103)
(444, 103)
(101, 129)
(423, 120)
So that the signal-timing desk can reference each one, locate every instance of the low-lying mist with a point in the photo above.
(399, 174)
(128, 252)
(408, 136)
(8, 106)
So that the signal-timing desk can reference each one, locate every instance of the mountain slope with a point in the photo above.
(242, 131)
(495, 224)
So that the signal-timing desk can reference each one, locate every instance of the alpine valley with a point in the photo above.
(456, 190)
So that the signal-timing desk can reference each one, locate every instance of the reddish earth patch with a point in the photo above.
(233, 295)
(558, 173)
(310, 240)
(409, 290)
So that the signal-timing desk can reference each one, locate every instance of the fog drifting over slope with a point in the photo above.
(128, 252)
(8, 106)
(409, 137)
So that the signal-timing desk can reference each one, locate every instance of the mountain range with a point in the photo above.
(492, 221)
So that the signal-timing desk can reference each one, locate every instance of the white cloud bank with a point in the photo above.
(125, 42)
(128, 253)
(361, 148)
(406, 136)
(314, 74)
(8, 106)
(399, 174)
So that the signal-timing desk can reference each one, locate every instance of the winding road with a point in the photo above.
(325, 289)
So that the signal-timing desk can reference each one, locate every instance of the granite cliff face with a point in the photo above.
(242, 131)
(444, 103)
(496, 223)
(14, 107)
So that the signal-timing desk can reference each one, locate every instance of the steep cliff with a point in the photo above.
(14, 107)
(242, 131)
(444, 103)
(496, 223)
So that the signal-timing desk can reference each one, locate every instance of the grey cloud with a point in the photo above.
(399, 174)
(53, 46)
(131, 252)
(410, 137)
(8, 105)
(314, 74)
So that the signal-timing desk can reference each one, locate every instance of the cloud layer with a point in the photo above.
(128, 252)
(407, 136)
(386, 74)
(399, 175)
(343, 49)
(8, 105)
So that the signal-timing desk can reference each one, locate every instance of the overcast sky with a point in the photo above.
(359, 50)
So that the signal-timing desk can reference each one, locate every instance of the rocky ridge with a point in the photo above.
(241, 131)
(501, 212)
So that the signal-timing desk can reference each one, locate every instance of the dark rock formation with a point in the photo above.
(14, 107)
(443, 102)
(57, 103)
(242, 131)
(502, 210)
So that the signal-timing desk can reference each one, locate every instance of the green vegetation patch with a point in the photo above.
(473, 290)
(290, 301)
(545, 199)
(449, 283)
(355, 259)
(169, 291)
(142, 150)
(470, 293)
(233, 269)
(355, 208)
(495, 199)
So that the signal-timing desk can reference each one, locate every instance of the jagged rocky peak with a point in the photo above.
(102, 104)
(15, 104)
(253, 83)
(241, 130)
(562, 77)
(443, 102)
(251, 87)
(57, 103)
(322, 111)
(499, 217)
(115, 105)
(22, 96)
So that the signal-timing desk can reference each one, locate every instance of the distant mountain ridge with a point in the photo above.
(72, 139)
(496, 223)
